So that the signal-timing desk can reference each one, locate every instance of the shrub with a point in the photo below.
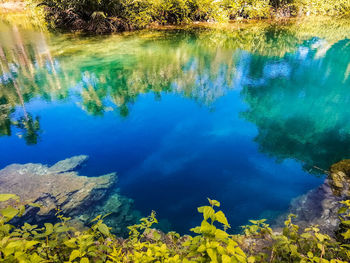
(61, 242)
(134, 14)
(324, 7)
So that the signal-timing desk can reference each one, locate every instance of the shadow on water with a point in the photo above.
(184, 114)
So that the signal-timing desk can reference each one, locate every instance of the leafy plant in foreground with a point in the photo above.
(61, 242)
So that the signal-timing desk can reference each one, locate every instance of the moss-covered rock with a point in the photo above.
(339, 178)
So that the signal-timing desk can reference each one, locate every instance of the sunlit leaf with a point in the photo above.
(6, 197)
(220, 217)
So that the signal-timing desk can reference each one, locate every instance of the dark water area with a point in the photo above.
(247, 117)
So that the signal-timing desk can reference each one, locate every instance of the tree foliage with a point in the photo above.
(106, 16)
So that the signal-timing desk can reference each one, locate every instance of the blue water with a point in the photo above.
(207, 121)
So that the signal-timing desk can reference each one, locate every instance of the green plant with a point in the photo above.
(60, 242)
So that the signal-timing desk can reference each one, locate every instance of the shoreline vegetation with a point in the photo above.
(211, 242)
(103, 17)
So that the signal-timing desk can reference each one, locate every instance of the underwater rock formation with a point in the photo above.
(320, 206)
(119, 211)
(60, 186)
(53, 187)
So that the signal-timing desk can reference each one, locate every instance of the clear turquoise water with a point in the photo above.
(243, 117)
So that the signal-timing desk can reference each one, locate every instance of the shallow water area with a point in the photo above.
(247, 115)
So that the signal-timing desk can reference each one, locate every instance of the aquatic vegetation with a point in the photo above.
(63, 243)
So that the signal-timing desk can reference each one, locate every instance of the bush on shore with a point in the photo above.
(102, 16)
(61, 242)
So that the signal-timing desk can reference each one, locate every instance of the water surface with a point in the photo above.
(247, 115)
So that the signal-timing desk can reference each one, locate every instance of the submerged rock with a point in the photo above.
(59, 186)
(118, 210)
(68, 164)
(320, 206)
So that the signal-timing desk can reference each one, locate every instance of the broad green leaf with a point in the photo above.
(49, 229)
(29, 244)
(71, 243)
(9, 212)
(240, 252)
(196, 230)
(346, 222)
(207, 228)
(346, 245)
(208, 212)
(12, 247)
(212, 254)
(103, 228)
(21, 210)
(220, 217)
(156, 236)
(346, 235)
(225, 259)
(75, 254)
(306, 235)
(201, 248)
(219, 234)
(321, 237)
(342, 210)
(84, 260)
(35, 258)
(251, 259)
(61, 229)
(200, 209)
(6, 197)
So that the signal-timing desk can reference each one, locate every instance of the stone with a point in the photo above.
(58, 186)
(117, 211)
(69, 164)
(320, 206)
(317, 207)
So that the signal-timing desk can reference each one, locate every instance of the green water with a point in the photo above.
(244, 113)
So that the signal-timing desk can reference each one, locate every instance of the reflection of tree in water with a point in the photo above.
(198, 64)
(300, 104)
(5, 122)
(26, 70)
(30, 128)
(175, 65)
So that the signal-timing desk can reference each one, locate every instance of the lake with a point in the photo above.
(247, 114)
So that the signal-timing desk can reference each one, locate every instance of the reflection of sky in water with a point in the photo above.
(170, 155)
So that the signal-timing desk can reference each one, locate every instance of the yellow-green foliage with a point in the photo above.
(61, 242)
(141, 13)
(324, 7)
